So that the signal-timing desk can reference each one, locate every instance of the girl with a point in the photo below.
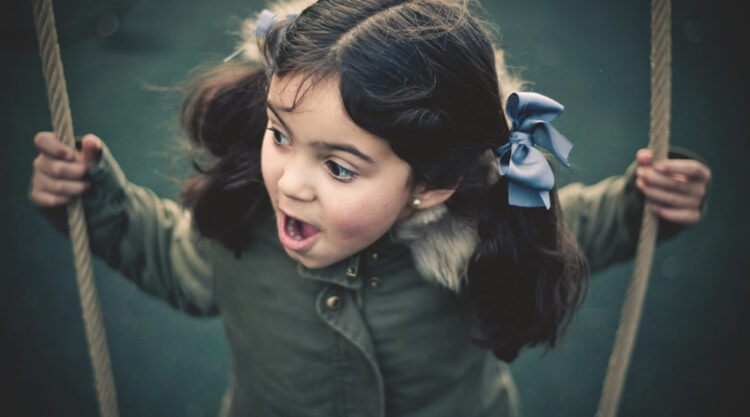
(373, 233)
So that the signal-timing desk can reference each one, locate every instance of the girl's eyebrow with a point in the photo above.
(343, 147)
(324, 145)
(275, 113)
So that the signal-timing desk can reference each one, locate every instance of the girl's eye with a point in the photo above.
(340, 173)
(278, 137)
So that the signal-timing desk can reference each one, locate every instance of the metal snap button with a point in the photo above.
(333, 302)
(374, 283)
(375, 256)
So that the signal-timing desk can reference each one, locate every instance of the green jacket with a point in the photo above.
(368, 336)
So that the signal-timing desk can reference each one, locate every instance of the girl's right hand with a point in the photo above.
(58, 170)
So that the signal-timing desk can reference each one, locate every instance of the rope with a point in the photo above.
(49, 51)
(661, 91)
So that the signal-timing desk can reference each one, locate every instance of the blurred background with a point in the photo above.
(122, 60)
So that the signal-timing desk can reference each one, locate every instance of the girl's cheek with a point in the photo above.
(349, 227)
(271, 166)
(362, 220)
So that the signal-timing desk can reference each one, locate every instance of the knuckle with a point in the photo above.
(681, 187)
(35, 179)
(58, 200)
(39, 138)
(53, 200)
(57, 169)
(687, 218)
(697, 190)
(48, 201)
(41, 199)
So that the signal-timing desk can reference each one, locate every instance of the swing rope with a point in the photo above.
(661, 91)
(49, 50)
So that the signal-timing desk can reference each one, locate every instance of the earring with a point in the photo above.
(416, 202)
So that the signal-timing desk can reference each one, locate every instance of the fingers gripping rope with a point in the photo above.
(661, 92)
(49, 50)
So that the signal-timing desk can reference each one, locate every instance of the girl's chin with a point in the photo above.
(310, 262)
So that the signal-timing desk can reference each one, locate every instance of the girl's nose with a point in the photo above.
(296, 181)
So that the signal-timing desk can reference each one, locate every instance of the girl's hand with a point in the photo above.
(674, 187)
(59, 170)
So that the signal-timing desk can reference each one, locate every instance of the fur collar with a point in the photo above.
(441, 245)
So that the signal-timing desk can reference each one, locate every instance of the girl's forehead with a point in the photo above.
(315, 113)
(300, 93)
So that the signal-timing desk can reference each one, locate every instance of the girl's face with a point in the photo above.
(334, 187)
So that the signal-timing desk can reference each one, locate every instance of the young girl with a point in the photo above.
(372, 229)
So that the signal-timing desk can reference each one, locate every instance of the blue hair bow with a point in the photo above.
(265, 21)
(529, 173)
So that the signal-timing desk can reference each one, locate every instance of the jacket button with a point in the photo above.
(333, 302)
(374, 283)
(375, 256)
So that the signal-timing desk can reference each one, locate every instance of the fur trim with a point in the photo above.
(441, 244)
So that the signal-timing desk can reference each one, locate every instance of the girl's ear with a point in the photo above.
(427, 198)
(424, 199)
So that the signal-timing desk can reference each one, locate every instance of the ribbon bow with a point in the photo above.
(263, 24)
(265, 21)
(530, 174)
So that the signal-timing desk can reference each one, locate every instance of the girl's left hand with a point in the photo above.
(674, 187)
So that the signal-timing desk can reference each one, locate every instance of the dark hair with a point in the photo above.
(421, 75)
(224, 114)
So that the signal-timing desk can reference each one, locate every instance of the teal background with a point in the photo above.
(592, 56)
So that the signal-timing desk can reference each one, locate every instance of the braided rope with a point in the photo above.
(661, 92)
(49, 51)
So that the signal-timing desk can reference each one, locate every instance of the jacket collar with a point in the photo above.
(441, 244)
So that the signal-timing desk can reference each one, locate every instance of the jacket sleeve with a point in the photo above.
(606, 217)
(152, 241)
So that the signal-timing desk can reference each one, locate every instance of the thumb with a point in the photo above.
(91, 150)
(644, 156)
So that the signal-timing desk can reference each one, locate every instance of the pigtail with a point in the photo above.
(224, 115)
(527, 276)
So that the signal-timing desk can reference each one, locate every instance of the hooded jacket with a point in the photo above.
(379, 333)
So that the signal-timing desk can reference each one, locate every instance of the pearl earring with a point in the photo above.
(416, 202)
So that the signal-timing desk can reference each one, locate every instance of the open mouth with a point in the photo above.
(296, 234)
